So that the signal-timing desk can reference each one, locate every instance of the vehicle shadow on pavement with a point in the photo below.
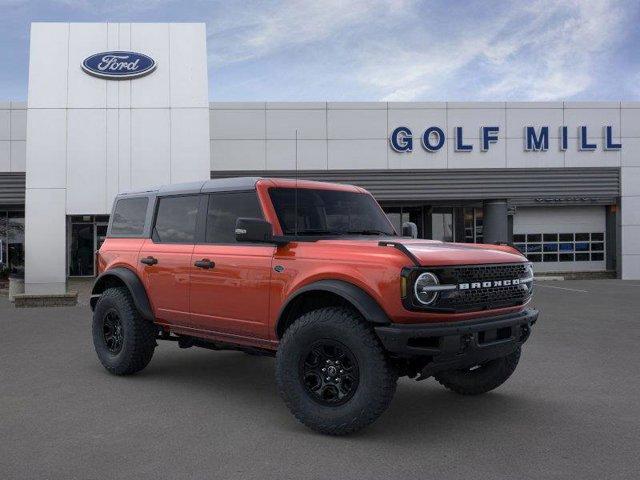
(246, 384)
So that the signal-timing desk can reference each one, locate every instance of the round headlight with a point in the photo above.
(423, 293)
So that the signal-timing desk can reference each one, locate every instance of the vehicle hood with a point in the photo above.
(431, 253)
(436, 253)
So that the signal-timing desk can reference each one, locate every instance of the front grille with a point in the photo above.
(475, 273)
(485, 296)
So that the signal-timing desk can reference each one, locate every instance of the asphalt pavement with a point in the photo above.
(571, 410)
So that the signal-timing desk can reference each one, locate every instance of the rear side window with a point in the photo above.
(129, 216)
(176, 219)
(224, 209)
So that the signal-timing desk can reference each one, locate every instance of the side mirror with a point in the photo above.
(409, 229)
(255, 230)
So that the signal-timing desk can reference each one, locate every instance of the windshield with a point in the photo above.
(328, 212)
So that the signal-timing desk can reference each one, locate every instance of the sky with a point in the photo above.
(377, 50)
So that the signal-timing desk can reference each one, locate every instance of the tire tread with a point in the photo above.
(143, 338)
(348, 319)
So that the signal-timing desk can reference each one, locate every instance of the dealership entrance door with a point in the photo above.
(85, 234)
(440, 222)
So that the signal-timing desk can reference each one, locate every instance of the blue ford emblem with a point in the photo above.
(118, 65)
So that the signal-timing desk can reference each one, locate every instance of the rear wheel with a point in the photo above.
(332, 372)
(123, 340)
(480, 378)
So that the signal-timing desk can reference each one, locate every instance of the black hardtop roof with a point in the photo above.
(205, 186)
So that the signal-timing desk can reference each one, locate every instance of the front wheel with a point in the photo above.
(332, 372)
(480, 378)
(123, 340)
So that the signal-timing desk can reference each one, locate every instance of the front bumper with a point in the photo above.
(449, 346)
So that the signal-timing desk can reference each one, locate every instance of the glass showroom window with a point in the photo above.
(11, 243)
(561, 247)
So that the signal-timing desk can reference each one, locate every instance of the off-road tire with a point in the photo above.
(482, 379)
(377, 378)
(138, 343)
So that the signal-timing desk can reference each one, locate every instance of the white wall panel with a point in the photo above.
(5, 156)
(282, 124)
(113, 43)
(18, 124)
(150, 147)
(48, 62)
(190, 145)
(124, 150)
(86, 161)
(238, 154)
(630, 181)
(188, 72)
(631, 239)
(111, 161)
(598, 158)
(630, 267)
(630, 153)
(18, 156)
(237, 124)
(107, 136)
(281, 155)
(418, 120)
(519, 118)
(357, 124)
(472, 119)
(630, 211)
(47, 148)
(45, 241)
(357, 105)
(124, 86)
(5, 124)
(630, 120)
(495, 157)
(517, 157)
(152, 91)
(86, 91)
(419, 158)
(592, 118)
(357, 154)
(293, 105)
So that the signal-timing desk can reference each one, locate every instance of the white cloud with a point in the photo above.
(259, 29)
(547, 50)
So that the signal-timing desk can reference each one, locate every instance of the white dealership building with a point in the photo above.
(118, 106)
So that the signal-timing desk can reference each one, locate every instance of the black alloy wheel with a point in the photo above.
(112, 332)
(329, 372)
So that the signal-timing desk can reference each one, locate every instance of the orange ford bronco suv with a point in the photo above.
(314, 274)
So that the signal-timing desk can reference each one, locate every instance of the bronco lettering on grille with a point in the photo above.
(494, 283)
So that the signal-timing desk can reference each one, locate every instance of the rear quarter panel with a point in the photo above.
(119, 252)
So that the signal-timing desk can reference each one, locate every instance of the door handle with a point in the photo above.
(205, 263)
(149, 260)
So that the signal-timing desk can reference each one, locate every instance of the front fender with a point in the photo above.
(370, 310)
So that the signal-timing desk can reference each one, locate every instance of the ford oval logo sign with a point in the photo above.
(118, 65)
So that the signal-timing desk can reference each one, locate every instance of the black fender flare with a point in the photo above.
(133, 284)
(368, 307)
